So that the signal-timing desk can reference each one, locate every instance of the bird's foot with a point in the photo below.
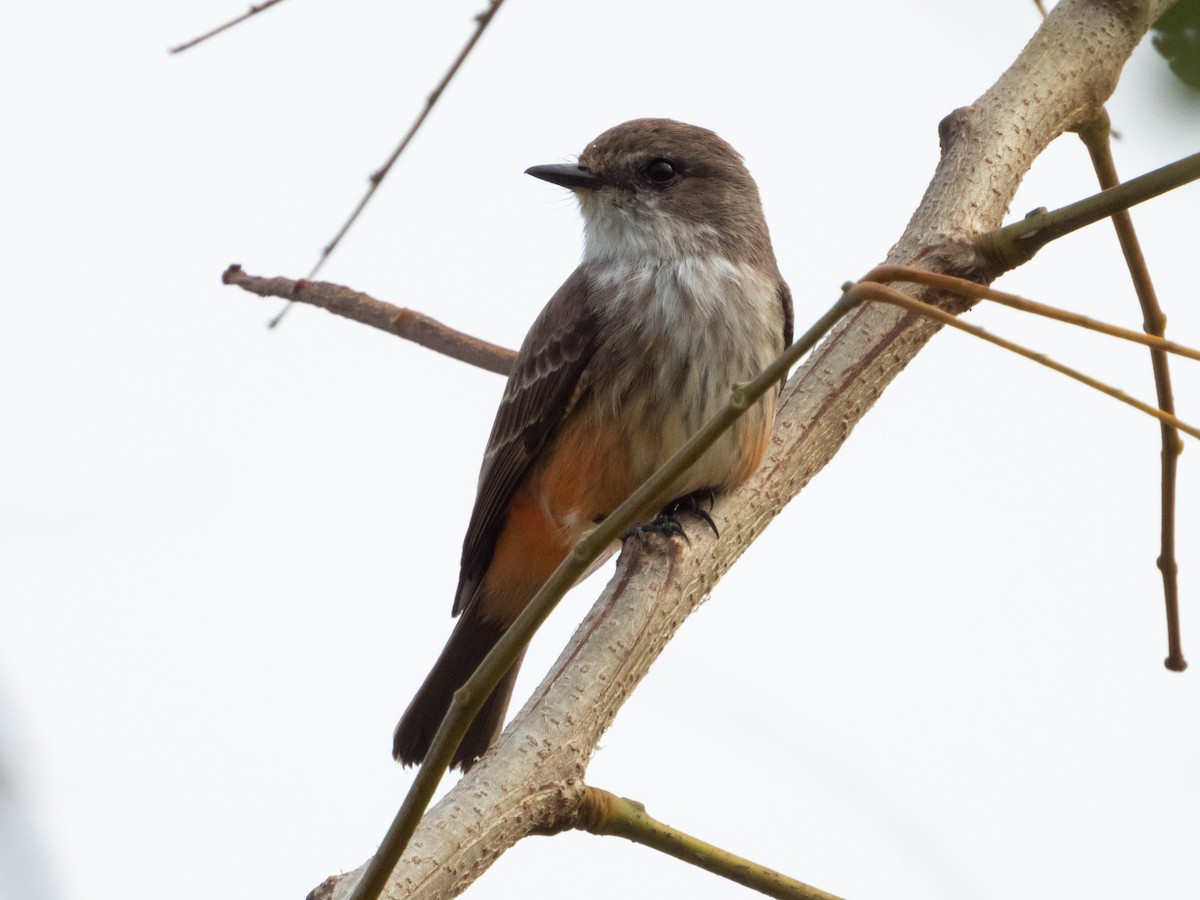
(698, 504)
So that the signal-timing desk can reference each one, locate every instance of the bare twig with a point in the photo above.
(482, 21)
(1095, 137)
(253, 11)
(607, 814)
(891, 274)
(405, 323)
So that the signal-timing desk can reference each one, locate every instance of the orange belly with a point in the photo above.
(582, 478)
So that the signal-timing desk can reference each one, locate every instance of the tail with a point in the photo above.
(469, 643)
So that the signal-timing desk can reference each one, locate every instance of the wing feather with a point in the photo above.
(789, 317)
(540, 393)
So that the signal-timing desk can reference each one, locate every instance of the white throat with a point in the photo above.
(636, 231)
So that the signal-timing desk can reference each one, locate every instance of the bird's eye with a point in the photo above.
(659, 171)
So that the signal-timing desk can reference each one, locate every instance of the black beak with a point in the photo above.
(567, 176)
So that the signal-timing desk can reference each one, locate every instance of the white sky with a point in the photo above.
(227, 554)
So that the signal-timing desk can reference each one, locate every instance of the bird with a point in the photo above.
(677, 298)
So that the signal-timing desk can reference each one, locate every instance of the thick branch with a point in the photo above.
(533, 777)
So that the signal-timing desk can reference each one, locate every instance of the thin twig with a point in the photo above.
(607, 814)
(864, 290)
(405, 323)
(482, 20)
(1096, 138)
(254, 11)
(891, 274)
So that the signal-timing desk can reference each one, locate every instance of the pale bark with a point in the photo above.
(531, 780)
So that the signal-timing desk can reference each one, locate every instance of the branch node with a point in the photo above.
(595, 808)
(952, 127)
(739, 397)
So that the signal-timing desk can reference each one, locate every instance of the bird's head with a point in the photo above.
(660, 189)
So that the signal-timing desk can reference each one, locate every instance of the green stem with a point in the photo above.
(622, 817)
(1016, 244)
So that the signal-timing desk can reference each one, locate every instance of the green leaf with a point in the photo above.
(1177, 38)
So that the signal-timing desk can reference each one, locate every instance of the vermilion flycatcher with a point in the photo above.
(678, 298)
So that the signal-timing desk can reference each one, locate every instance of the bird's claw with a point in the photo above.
(667, 522)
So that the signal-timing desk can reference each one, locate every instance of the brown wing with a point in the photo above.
(789, 317)
(538, 396)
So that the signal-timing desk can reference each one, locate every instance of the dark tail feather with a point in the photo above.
(469, 643)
